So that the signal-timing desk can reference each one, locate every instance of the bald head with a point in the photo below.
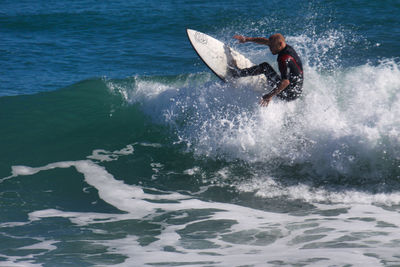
(277, 37)
(276, 43)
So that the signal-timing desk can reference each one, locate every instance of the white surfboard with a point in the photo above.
(218, 56)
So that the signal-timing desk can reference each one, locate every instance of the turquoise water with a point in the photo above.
(119, 147)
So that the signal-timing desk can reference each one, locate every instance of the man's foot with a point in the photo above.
(233, 71)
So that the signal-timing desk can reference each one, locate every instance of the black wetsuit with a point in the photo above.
(290, 67)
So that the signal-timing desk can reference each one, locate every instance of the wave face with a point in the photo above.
(343, 133)
(119, 147)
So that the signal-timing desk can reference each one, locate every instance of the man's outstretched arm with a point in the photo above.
(257, 40)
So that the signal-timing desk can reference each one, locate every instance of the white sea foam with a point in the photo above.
(104, 155)
(347, 117)
(267, 187)
(344, 130)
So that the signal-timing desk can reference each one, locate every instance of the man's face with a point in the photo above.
(275, 47)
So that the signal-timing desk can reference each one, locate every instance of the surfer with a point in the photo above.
(289, 84)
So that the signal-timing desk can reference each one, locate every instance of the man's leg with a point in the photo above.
(264, 68)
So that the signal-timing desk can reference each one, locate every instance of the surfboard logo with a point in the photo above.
(201, 38)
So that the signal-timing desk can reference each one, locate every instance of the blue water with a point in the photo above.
(49, 45)
(119, 147)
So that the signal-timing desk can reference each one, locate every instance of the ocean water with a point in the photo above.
(118, 147)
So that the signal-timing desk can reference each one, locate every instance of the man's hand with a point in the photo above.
(265, 100)
(240, 38)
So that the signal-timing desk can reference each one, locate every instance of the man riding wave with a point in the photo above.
(289, 84)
